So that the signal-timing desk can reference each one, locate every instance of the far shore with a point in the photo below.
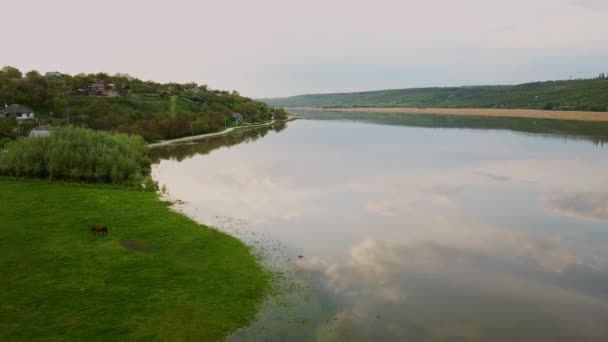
(518, 113)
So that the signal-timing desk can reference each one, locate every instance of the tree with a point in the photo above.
(11, 72)
(280, 114)
(36, 88)
(197, 107)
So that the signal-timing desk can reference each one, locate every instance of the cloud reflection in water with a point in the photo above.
(404, 238)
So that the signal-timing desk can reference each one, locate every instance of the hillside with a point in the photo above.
(123, 103)
(583, 95)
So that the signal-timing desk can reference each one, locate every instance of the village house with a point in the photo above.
(102, 89)
(41, 131)
(52, 75)
(237, 117)
(18, 111)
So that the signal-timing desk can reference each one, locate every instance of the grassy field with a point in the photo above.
(156, 276)
(581, 95)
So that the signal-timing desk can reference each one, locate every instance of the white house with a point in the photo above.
(19, 111)
(237, 117)
(53, 74)
(41, 131)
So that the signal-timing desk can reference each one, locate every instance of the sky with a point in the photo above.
(275, 48)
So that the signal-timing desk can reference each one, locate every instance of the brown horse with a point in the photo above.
(99, 230)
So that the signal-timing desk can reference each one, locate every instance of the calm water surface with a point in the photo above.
(407, 233)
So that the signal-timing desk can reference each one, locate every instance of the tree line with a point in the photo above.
(81, 155)
(150, 109)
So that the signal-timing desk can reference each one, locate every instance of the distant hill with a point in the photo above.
(585, 95)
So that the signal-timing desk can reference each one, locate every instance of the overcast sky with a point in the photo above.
(269, 48)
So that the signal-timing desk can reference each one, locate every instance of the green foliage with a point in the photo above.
(155, 111)
(585, 95)
(4, 142)
(11, 72)
(79, 154)
(157, 276)
(6, 128)
(205, 146)
(280, 114)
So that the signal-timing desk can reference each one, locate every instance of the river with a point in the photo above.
(398, 231)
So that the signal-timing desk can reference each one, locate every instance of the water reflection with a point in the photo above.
(182, 151)
(414, 233)
(566, 130)
(590, 205)
(426, 291)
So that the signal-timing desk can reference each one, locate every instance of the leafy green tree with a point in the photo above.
(36, 88)
(11, 72)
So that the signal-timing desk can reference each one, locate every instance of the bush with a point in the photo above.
(79, 154)
(3, 141)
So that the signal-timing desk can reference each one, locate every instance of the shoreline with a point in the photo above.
(493, 112)
(211, 135)
(138, 245)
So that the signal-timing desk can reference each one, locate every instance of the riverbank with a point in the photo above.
(216, 134)
(158, 275)
(515, 113)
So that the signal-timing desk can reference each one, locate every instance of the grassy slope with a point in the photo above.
(183, 281)
(564, 95)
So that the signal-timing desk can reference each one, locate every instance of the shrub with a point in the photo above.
(79, 154)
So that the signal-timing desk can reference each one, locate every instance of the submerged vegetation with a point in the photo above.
(581, 95)
(80, 155)
(156, 276)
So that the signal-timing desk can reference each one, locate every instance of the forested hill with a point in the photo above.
(584, 95)
(122, 103)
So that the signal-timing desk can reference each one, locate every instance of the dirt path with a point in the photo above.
(204, 136)
(518, 113)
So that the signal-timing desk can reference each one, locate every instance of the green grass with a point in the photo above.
(558, 95)
(157, 276)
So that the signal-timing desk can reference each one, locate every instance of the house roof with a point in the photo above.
(15, 109)
(41, 131)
